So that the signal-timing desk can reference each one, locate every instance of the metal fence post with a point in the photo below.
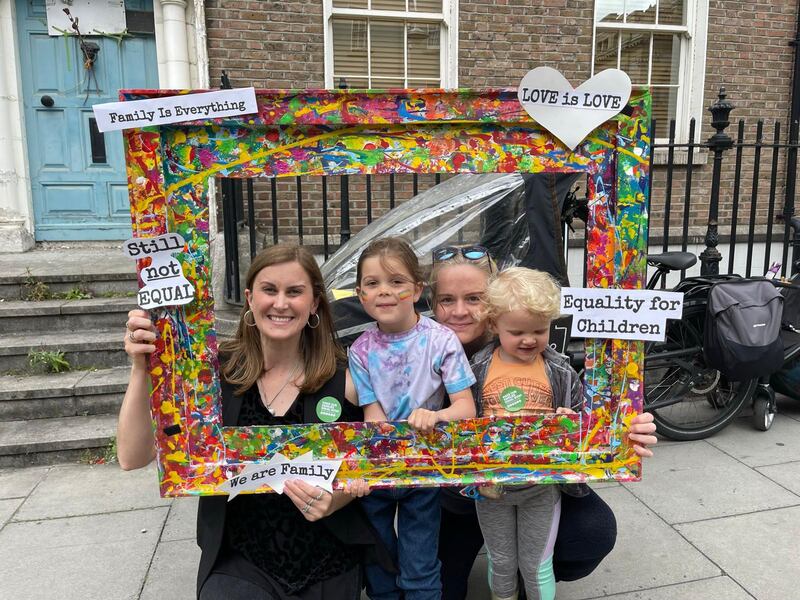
(788, 205)
(232, 284)
(718, 143)
(344, 230)
(344, 213)
(232, 288)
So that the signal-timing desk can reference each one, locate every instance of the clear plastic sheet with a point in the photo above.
(474, 209)
(502, 212)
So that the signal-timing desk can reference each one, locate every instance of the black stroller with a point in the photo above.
(787, 380)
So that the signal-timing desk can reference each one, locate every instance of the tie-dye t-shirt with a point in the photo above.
(408, 370)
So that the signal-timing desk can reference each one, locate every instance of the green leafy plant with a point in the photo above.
(101, 456)
(49, 361)
(115, 294)
(76, 293)
(34, 290)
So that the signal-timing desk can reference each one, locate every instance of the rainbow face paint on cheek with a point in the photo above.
(404, 294)
(362, 293)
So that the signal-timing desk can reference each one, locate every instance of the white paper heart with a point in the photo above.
(571, 114)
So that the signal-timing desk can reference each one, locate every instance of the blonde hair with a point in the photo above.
(244, 360)
(519, 288)
(485, 263)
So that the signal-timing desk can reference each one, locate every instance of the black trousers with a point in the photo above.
(586, 535)
(223, 586)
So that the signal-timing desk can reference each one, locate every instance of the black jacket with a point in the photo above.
(349, 523)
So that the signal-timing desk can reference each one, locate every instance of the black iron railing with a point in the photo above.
(239, 200)
(744, 190)
(730, 182)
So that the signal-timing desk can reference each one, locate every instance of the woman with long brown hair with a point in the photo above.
(306, 544)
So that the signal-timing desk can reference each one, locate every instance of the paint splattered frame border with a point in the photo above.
(319, 132)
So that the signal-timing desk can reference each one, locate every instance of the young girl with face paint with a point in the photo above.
(401, 368)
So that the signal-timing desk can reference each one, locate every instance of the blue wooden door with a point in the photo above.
(78, 174)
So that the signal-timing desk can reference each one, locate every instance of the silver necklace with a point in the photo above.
(268, 403)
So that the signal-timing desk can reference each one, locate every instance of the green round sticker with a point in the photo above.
(329, 409)
(512, 398)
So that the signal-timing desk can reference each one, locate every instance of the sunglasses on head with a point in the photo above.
(444, 253)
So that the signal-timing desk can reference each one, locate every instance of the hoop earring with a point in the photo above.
(318, 321)
(246, 322)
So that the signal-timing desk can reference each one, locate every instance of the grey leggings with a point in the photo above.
(520, 529)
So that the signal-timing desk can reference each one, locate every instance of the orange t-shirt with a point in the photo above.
(531, 379)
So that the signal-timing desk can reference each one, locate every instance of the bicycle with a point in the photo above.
(688, 399)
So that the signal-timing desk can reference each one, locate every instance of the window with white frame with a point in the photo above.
(391, 43)
(660, 44)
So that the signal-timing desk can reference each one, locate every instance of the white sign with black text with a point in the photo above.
(279, 469)
(164, 281)
(621, 314)
(570, 113)
(175, 109)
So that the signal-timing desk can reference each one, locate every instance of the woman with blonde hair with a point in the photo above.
(305, 544)
(587, 530)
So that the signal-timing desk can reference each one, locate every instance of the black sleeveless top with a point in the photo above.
(264, 537)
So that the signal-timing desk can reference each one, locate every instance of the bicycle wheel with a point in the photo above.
(689, 400)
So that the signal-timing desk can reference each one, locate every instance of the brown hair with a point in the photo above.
(392, 247)
(244, 361)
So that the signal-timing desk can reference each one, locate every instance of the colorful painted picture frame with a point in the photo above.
(318, 132)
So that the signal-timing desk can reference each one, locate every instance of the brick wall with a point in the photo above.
(270, 44)
(280, 45)
(267, 44)
(501, 40)
(749, 54)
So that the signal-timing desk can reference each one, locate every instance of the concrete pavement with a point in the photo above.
(717, 519)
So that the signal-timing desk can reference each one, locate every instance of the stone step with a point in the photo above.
(90, 348)
(75, 393)
(43, 273)
(20, 288)
(50, 441)
(64, 315)
(226, 319)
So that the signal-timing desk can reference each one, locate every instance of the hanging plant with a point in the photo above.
(89, 50)
(118, 37)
